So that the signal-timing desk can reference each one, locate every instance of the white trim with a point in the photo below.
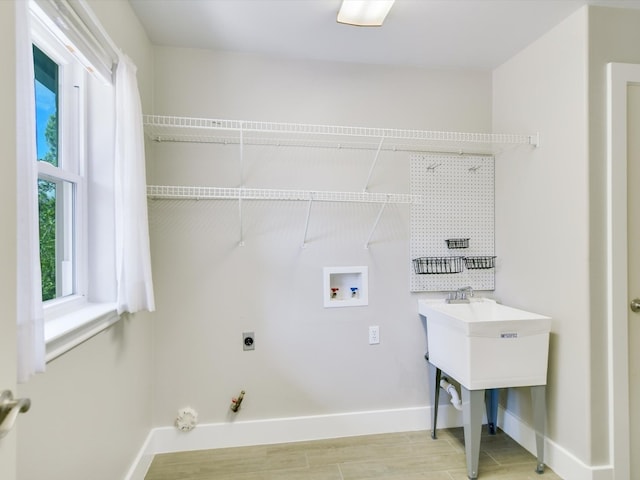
(70, 330)
(82, 34)
(71, 207)
(297, 429)
(53, 173)
(141, 464)
(561, 461)
(619, 76)
(286, 430)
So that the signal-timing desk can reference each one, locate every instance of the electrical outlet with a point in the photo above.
(248, 341)
(374, 335)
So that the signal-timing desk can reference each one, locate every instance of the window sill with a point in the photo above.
(70, 330)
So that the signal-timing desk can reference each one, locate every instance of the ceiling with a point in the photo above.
(477, 34)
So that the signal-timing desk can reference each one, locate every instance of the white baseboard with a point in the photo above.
(286, 430)
(143, 460)
(317, 427)
(297, 429)
(561, 461)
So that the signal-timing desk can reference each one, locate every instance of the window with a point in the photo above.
(87, 220)
(59, 88)
(75, 120)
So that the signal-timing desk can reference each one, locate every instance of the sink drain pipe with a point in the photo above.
(453, 393)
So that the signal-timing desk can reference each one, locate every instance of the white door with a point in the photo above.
(7, 231)
(633, 232)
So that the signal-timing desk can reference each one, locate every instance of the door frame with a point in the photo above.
(619, 77)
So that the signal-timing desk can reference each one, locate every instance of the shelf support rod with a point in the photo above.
(373, 165)
(306, 225)
(241, 192)
(241, 155)
(241, 242)
(375, 224)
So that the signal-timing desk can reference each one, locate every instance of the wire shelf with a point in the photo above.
(437, 265)
(202, 130)
(453, 243)
(480, 263)
(218, 193)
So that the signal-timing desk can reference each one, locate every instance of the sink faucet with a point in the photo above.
(461, 295)
(465, 292)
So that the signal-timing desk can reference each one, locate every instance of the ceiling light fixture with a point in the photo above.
(364, 13)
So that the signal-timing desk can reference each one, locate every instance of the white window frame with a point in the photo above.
(71, 169)
(72, 319)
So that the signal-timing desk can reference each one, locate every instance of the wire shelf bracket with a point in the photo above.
(375, 223)
(373, 165)
(241, 242)
(241, 156)
(306, 223)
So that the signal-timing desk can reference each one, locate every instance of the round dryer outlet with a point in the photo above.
(187, 419)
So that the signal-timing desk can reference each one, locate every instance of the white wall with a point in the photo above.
(542, 218)
(551, 212)
(91, 410)
(308, 360)
(8, 221)
(247, 87)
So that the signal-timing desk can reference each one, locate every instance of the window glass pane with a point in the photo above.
(47, 208)
(46, 94)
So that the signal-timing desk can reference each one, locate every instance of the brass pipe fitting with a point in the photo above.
(235, 402)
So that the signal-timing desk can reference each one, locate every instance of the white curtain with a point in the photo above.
(133, 258)
(30, 316)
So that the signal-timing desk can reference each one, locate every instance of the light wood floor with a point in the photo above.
(396, 456)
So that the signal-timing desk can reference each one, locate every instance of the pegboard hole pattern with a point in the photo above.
(457, 202)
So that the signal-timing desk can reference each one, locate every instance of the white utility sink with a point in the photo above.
(483, 344)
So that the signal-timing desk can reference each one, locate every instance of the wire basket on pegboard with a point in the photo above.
(480, 263)
(436, 265)
(457, 243)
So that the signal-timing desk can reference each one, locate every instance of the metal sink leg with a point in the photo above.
(472, 410)
(434, 410)
(538, 400)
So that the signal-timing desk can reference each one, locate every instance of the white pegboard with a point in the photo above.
(457, 202)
